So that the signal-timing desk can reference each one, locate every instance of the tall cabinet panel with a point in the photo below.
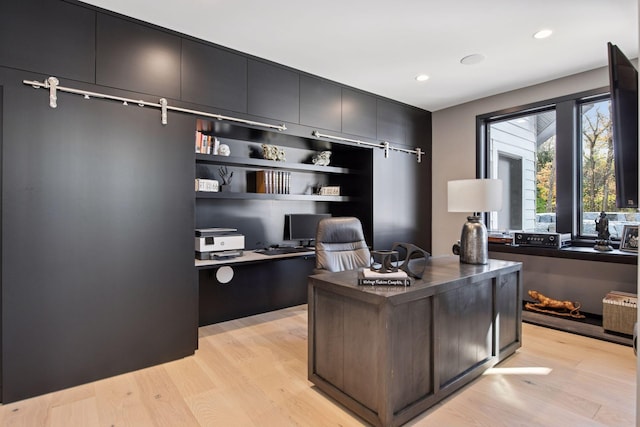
(136, 57)
(274, 92)
(51, 37)
(401, 185)
(214, 77)
(106, 191)
(320, 104)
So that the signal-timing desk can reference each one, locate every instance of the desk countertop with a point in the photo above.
(440, 273)
(250, 257)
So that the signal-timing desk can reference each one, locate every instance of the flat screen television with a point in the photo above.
(302, 227)
(623, 83)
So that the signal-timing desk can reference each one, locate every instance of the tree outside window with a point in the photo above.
(598, 168)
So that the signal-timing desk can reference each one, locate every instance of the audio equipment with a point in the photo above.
(546, 240)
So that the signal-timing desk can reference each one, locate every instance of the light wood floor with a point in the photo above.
(253, 372)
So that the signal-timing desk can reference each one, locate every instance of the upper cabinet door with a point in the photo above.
(274, 92)
(391, 122)
(213, 76)
(320, 104)
(136, 57)
(358, 113)
(58, 41)
(418, 128)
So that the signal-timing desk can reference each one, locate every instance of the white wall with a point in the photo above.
(454, 143)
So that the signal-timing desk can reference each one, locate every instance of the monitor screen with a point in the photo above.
(302, 227)
(623, 82)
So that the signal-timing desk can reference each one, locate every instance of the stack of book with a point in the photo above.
(273, 182)
(206, 144)
(372, 278)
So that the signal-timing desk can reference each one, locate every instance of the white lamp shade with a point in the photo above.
(475, 195)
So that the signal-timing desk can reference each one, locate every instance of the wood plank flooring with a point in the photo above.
(253, 372)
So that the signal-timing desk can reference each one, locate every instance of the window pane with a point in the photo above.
(522, 153)
(598, 167)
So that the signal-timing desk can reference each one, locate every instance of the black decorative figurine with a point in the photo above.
(602, 227)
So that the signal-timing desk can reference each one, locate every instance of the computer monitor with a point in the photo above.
(302, 227)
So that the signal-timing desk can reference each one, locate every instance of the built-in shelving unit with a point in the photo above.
(262, 282)
(349, 170)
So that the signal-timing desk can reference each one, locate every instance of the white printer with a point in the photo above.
(218, 243)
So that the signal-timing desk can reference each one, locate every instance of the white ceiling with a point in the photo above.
(380, 46)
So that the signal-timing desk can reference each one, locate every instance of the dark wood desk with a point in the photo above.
(389, 353)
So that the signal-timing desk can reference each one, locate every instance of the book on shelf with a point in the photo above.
(273, 182)
(206, 144)
(367, 277)
(208, 185)
(330, 190)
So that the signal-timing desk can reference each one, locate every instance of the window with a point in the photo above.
(521, 152)
(598, 185)
(556, 161)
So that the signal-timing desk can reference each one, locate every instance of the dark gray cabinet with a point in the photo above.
(52, 38)
(136, 57)
(213, 76)
(255, 288)
(359, 113)
(320, 104)
(273, 92)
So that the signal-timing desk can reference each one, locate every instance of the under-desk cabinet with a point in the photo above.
(254, 287)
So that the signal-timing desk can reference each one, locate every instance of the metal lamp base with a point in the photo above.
(474, 242)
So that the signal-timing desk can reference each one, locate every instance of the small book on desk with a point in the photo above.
(367, 277)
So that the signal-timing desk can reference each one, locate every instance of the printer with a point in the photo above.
(218, 243)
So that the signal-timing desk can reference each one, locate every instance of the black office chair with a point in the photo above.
(340, 245)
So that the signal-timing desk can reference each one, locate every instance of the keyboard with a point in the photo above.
(282, 251)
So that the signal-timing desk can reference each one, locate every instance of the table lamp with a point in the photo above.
(477, 196)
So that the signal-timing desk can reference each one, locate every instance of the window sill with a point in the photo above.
(570, 252)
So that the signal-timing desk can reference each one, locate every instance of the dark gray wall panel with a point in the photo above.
(213, 76)
(135, 57)
(320, 104)
(50, 37)
(274, 92)
(359, 113)
(97, 237)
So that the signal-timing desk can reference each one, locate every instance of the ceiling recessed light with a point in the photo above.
(476, 58)
(542, 34)
(422, 77)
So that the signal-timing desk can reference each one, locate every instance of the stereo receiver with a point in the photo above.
(546, 240)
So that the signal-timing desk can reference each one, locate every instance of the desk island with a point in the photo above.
(389, 353)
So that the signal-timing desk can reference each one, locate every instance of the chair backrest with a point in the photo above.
(340, 245)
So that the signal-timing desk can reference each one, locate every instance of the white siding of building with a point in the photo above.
(517, 139)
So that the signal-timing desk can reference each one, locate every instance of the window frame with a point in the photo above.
(568, 152)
